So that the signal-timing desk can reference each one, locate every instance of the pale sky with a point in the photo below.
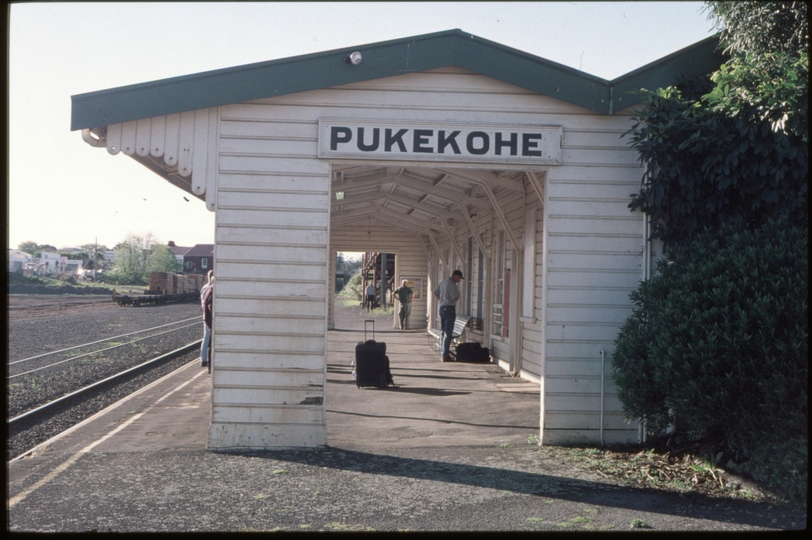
(66, 193)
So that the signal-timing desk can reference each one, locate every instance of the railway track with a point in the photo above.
(70, 354)
(50, 392)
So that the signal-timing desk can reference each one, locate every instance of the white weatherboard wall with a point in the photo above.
(274, 244)
(593, 246)
(272, 280)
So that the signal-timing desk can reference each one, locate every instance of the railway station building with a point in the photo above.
(447, 150)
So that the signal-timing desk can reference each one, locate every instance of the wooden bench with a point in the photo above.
(460, 324)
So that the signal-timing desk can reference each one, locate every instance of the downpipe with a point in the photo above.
(603, 363)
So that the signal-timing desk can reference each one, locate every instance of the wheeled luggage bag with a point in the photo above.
(371, 362)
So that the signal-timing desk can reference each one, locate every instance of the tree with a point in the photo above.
(32, 248)
(129, 267)
(738, 148)
(161, 259)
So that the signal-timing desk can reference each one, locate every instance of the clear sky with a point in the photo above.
(65, 193)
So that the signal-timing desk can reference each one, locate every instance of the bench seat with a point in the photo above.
(460, 324)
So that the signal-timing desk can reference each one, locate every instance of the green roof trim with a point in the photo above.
(386, 59)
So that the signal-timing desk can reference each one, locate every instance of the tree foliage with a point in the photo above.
(755, 27)
(161, 259)
(32, 248)
(720, 337)
(739, 148)
(129, 267)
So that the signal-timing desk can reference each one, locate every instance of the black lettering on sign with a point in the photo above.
(339, 134)
(376, 136)
(390, 139)
(529, 142)
(486, 143)
(443, 141)
(421, 139)
(513, 144)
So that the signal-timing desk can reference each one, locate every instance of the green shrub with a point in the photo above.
(720, 336)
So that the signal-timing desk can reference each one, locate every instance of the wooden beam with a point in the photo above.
(534, 181)
(478, 177)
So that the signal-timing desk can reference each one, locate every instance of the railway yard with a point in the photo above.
(397, 460)
(59, 345)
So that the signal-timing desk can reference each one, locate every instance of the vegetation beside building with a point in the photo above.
(717, 346)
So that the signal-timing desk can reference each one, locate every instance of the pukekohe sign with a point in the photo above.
(440, 141)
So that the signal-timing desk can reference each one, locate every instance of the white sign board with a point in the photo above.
(439, 141)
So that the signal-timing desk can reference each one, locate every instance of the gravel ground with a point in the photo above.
(40, 326)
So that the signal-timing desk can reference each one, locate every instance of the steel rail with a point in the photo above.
(66, 397)
(99, 351)
(101, 341)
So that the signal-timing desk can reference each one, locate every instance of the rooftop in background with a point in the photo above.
(200, 250)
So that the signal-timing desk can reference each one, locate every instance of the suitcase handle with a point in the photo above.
(365, 328)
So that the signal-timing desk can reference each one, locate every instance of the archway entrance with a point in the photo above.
(445, 217)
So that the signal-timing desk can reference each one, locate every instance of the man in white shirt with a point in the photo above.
(370, 296)
(448, 295)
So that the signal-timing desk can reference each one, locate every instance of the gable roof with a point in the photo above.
(180, 250)
(385, 59)
(200, 250)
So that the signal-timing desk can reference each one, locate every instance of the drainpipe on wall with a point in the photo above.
(603, 363)
(641, 426)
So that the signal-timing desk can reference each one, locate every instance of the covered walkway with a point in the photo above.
(434, 404)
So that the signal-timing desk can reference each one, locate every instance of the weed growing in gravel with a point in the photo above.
(139, 346)
(504, 445)
(640, 524)
(533, 439)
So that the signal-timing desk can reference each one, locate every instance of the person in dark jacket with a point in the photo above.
(206, 301)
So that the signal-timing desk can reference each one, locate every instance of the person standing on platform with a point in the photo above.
(404, 295)
(370, 292)
(448, 294)
(204, 347)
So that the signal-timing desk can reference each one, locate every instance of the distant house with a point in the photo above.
(199, 259)
(179, 252)
(17, 260)
(54, 262)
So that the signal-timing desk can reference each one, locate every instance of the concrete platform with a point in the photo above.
(446, 450)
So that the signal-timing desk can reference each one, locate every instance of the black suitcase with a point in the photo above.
(473, 352)
(371, 362)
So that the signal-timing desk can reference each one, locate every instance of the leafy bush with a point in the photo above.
(720, 336)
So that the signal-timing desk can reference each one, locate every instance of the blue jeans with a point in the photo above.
(204, 347)
(448, 314)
